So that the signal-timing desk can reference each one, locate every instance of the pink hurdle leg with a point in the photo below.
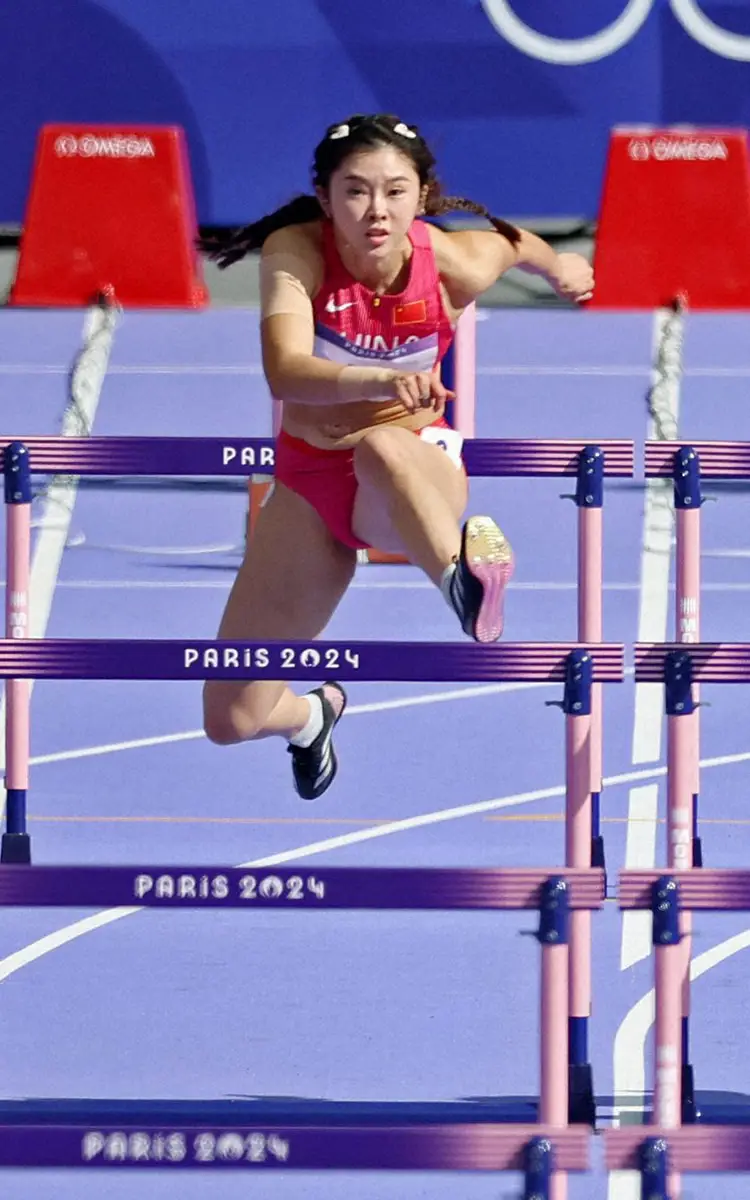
(590, 618)
(688, 501)
(15, 843)
(584, 768)
(464, 372)
(554, 928)
(668, 977)
(578, 854)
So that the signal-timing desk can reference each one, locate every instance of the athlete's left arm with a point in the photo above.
(474, 259)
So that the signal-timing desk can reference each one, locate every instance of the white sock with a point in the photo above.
(312, 728)
(445, 583)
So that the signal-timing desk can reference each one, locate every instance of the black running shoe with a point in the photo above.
(314, 767)
(484, 568)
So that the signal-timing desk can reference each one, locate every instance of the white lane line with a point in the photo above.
(60, 497)
(68, 933)
(635, 1028)
(630, 1044)
(653, 615)
(353, 710)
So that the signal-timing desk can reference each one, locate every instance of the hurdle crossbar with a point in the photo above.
(293, 887)
(430, 662)
(244, 456)
(530, 1149)
(654, 1152)
(715, 460)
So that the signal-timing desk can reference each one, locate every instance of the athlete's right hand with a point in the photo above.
(420, 389)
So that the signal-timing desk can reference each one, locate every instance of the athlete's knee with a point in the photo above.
(384, 454)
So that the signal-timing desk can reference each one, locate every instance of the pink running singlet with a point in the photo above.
(353, 326)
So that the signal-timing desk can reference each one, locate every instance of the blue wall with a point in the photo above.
(254, 83)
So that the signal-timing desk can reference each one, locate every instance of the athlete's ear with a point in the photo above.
(423, 201)
(325, 203)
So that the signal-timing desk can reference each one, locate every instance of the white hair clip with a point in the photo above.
(404, 130)
(341, 131)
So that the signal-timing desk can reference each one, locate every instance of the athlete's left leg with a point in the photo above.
(411, 495)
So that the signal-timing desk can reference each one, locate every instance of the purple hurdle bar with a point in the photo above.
(660, 1155)
(432, 662)
(439, 1147)
(245, 456)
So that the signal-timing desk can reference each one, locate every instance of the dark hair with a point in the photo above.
(357, 133)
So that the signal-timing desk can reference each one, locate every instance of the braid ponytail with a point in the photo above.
(437, 205)
(229, 247)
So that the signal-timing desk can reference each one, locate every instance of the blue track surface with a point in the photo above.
(361, 1006)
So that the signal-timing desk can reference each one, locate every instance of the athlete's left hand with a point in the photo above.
(573, 277)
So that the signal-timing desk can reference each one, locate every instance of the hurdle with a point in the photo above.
(385, 1136)
(324, 1135)
(666, 1147)
(688, 466)
(588, 463)
(680, 667)
(658, 1154)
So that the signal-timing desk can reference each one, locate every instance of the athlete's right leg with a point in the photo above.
(291, 580)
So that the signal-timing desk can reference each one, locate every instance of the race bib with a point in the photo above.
(449, 440)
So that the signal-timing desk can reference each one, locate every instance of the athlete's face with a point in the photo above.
(373, 198)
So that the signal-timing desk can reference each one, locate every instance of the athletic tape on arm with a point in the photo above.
(287, 284)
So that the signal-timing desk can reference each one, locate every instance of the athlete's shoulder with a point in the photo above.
(306, 238)
(443, 247)
(470, 260)
(295, 251)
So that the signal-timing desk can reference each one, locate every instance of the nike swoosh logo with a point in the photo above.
(334, 308)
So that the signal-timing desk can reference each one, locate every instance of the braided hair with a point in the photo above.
(357, 133)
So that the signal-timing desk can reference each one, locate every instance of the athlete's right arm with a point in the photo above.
(290, 274)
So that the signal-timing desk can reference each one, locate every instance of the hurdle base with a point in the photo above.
(15, 848)
(689, 1112)
(581, 1101)
(723, 1108)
